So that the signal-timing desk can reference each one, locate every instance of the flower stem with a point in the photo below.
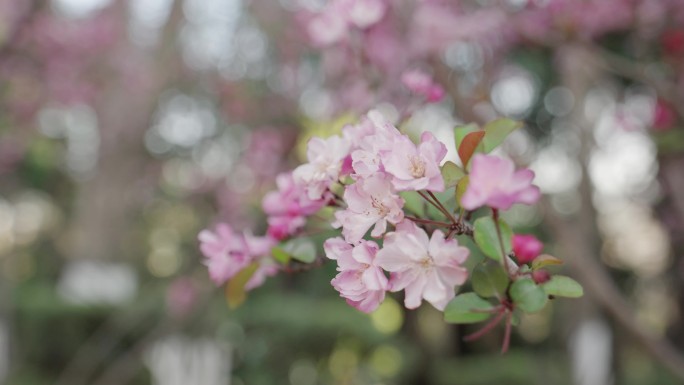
(507, 334)
(428, 221)
(504, 256)
(485, 329)
(445, 211)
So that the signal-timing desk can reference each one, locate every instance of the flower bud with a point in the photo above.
(540, 276)
(526, 247)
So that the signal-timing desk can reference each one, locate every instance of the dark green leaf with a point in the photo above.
(527, 296)
(487, 238)
(563, 286)
(467, 308)
(489, 280)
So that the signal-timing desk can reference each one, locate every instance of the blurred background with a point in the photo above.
(126, 127)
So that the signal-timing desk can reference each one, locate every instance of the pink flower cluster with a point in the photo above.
(228, 252)
(369, 165)
(381, 162)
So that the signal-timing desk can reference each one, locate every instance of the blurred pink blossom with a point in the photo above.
(495, 183)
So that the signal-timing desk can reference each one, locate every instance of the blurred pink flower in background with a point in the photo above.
(495, 182)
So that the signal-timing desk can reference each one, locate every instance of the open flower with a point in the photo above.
(225, 251)
(425, 268)
(495, 183)
(416, 167)
(288, 207)
(325, 158)
(360, 280)
(370, 202)
(378, 139)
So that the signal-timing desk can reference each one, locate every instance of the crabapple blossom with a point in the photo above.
(370, 201)
(360, 280)
(365, 13)
(495, 183)
(326, 158)
(225, 252)
(416, 167)
(288, 206)
(526, 247)
(425, 268)
(228, 252)
(332, 24)
(366, 159)
(421, 83)
(259, 250)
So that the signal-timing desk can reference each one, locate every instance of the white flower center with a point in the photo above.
(380, 208)
(417, 168)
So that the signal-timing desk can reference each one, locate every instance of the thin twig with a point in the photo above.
(448, 214)
(485, 329)
(428, 221)
(435, 205)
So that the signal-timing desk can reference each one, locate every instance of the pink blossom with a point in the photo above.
(328, 27)
(365, 13)
(360, 280)
(377, 138)
(416, 167)
(288, 207)
(225, 252)
(426, 268)
(526, 247)
(325, 158)
(332, 24)
(370, 202)
(495, 183)
(421, 83)
(259, 249)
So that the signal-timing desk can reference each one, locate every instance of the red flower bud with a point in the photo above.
(526, 247)
(540, 276)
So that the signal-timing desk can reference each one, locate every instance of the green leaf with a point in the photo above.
(527, 296)
(460, 132)
(545, 260)
(497, 131)
(489, 280)
(301, 249)
(487, 239)
(469, 146)
(235, 289)
(461, 188)
(452, 174)
(413, 202)
(280, 255)
(562, 286)
(467, 308)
